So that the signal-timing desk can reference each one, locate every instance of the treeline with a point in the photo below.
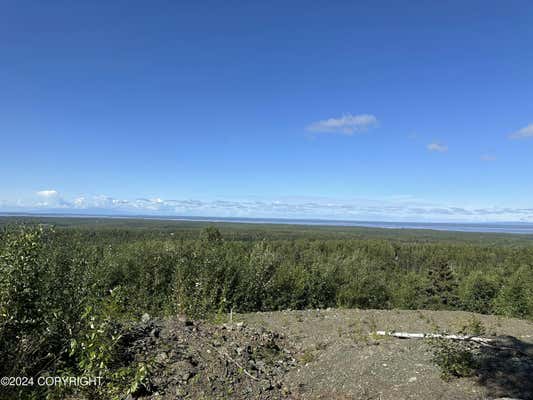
(62, 293)
(117, 230)
(213, 274)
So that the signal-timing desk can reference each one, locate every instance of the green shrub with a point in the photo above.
(408, 291)
(454, 358)
(46, 283)
(474, 327)
(515, 298)
(365, 286)
(96, 351)
(478, 291)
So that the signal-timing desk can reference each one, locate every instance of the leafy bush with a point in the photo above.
(477, 292)
(454, 358)
(515, 299)
(408, 291)
(96, 351)
(365, 286)
(45, 286)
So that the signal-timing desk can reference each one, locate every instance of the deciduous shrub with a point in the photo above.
(515, 298)
(477, 292)
(455, 359)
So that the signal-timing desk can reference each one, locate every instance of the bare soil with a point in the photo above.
(327, 354)
(198, 360)
(340, 359)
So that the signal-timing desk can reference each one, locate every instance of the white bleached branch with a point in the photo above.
(408, 335)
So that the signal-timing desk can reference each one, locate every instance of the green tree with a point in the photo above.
(515, 299)
(477, 292)
(408, 290)
(365, 285)
(211, 234)
(441, 291)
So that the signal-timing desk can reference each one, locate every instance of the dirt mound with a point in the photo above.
(190, 359)
(337, 356)
(341, 359)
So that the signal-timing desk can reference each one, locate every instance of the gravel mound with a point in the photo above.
(190, 359)
(338, 357)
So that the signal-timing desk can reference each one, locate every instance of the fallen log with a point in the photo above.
(498, 343)
(408, 335)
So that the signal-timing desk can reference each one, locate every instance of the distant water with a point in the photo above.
(494, 227)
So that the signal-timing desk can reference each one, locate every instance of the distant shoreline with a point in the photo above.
(473, 227)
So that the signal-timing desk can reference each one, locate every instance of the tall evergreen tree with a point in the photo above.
(441, 291)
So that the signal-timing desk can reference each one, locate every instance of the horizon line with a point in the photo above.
(501, 227)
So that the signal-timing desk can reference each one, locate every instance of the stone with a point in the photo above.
(145, 318)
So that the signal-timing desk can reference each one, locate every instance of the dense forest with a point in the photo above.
(67, 287)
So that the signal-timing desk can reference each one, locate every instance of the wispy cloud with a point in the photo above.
(396, 208)
(488, 158)
(524, 133)
(441, 148)
(347, 124)
(47, 193)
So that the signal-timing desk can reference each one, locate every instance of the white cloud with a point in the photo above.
(488, 157)
(79, 202)
(47, 193)
(524, 133)
(347, 124)
(396, 208)
(52, 198)
(441, 148)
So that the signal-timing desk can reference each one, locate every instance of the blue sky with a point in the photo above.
(384, 110)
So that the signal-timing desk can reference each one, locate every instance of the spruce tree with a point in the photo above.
(441, 291)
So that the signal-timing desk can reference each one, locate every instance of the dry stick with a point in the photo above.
(228, 357)
(236, 363)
